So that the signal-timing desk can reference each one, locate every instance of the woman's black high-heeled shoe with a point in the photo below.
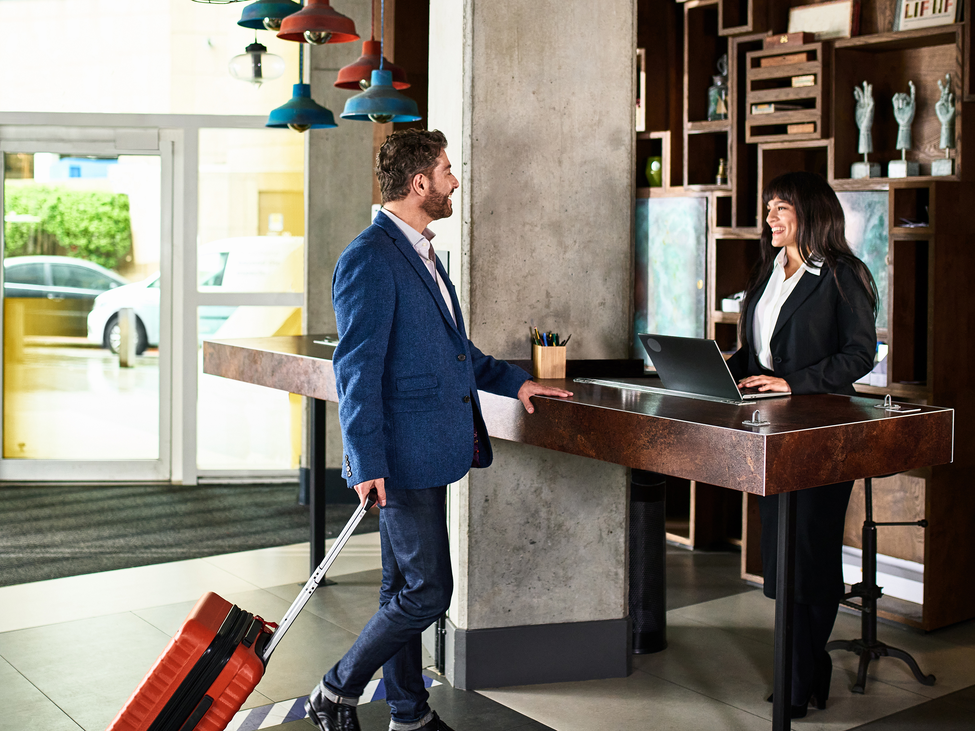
(794, 711)
(820, 690)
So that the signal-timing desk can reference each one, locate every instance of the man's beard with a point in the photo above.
(437, 205)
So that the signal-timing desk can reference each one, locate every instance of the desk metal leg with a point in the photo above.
(784, 611)
(316, 483)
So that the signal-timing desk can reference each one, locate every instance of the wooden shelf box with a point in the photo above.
(776, 158)
(779, 76)
(742, 16)
(888, 61)
(705, 142)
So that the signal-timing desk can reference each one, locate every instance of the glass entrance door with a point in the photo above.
(85, 347)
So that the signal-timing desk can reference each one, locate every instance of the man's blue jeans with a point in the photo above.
(416, 589)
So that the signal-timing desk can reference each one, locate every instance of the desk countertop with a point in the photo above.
(810, 440)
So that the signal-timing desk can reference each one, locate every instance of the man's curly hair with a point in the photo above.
(405, 154)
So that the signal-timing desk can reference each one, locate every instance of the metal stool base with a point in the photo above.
(868, 647)
(874, 651)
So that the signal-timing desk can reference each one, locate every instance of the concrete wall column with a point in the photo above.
(338, 192)
(536, 98)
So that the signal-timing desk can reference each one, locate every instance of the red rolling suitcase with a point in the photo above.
(215, 660)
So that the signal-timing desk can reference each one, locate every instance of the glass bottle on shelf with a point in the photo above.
(718, 92)
(721, 178)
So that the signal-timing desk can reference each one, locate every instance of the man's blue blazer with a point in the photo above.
(407, 376)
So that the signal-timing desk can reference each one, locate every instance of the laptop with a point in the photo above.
(695, 367)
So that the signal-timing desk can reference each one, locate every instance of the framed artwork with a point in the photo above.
(670, 265)
(826, 21)
(925, 13)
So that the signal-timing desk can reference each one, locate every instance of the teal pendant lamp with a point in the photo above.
(381, 103)
(267, 14)
(301, 113)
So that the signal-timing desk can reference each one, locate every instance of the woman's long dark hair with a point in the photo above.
(820, 235)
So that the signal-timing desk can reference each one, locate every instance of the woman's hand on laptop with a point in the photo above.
(765, 383)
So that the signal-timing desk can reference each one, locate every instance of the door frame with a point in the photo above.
(175, 138)
(106, 141)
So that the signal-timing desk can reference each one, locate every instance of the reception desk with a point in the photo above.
(806, 440)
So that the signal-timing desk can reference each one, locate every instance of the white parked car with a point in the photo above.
(103, 325)
(241, 264)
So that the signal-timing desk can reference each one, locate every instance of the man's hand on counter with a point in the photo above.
(531, 388)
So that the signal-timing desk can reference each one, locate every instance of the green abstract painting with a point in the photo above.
(670, 257)
(866, 232)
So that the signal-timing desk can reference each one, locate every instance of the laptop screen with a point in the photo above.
(692, 365)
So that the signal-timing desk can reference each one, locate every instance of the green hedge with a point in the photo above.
(87, 224)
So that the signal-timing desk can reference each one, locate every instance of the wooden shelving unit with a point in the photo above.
(929, 268)
(705, 142)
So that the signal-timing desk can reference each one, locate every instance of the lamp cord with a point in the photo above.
(382, 32)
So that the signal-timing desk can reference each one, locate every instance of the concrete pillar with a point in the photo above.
(338, 192)
(536, 99)
(127, 337)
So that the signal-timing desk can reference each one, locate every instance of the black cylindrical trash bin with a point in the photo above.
(648, 553)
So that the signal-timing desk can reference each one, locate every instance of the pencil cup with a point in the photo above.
(548, 361)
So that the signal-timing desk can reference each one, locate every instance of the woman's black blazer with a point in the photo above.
(825, 337)
(823, 341)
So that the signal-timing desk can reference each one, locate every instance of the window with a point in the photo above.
(31, 273)
(80, 277)
(210, 268)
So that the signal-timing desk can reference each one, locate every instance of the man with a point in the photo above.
(407, 378)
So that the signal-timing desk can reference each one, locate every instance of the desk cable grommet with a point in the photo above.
(757, 420)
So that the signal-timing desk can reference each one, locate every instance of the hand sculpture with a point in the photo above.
(904, 106)
(945, 109)
(723, 65)
(864, 116)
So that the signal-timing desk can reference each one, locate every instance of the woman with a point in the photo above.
(807, 326)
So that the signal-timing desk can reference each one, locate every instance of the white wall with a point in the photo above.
(133, 56)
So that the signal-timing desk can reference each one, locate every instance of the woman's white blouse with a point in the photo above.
(767, 310)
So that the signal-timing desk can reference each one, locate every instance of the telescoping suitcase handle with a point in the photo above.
(316, 578)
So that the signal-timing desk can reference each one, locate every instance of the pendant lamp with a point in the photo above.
(381, 103)
(353, 75)
(301, 113)
(267, 14)
(256, 65)
(317, 23)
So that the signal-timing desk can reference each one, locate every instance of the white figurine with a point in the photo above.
(904, 106)
(864, 119)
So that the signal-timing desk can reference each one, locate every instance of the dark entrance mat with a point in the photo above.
(52, 531)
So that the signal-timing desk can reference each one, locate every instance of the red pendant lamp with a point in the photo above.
(353, 75)
(317, 23)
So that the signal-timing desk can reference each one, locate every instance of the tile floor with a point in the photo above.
(72, 650)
